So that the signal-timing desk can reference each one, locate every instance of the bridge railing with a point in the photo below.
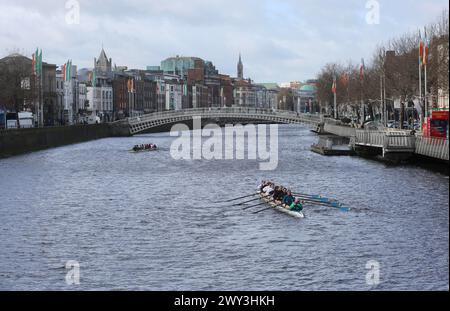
(432, 147)
(215, 111)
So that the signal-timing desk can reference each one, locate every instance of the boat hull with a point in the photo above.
(280, 208)
(139, 151)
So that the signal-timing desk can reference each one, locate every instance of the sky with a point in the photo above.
(280, 40)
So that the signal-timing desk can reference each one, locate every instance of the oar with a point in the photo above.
(260, 211)
(312, 196)
(251, 206)
(317, 198)
(247, 196)
(242, 203)
(335, 205)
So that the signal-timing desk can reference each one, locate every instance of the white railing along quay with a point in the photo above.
(339, 130)
(403, 142)
(432, 147)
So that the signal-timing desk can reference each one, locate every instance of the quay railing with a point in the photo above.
(339, 130)
(432, 147)
(389, 141)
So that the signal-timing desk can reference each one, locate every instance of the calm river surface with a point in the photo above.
(148, 222)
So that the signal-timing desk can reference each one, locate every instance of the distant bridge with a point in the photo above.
(232, 115)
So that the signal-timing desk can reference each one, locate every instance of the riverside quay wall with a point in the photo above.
(20, 141)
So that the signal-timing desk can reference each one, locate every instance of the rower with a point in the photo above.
(261, 186)
(288, 198)
(268, 190)
(297, 206)
(278, 194)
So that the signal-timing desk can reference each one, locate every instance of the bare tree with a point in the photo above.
(397, 64)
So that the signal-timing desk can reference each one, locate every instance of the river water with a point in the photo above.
(148, 222)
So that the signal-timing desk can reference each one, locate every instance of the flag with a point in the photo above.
(334, 88)
(40, 62)
(361, 69)
(425, 50)
(94, 78)
(36, 56)
(66, 67)
(67, 71)
(63, 70)
(70, 70)
(421, 46)
(33, 63)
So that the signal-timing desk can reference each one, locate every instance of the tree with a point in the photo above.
(396, 66)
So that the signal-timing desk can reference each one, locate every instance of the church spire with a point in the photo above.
(240, 68)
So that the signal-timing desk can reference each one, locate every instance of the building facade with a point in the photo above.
(181, 65)
(244, 94)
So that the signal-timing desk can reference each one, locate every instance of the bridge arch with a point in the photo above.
(235, 115)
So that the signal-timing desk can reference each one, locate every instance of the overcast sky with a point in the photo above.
(280, 41)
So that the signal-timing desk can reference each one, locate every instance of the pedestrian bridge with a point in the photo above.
(389, 142)
(231, 115)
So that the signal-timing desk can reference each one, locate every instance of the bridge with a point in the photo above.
(397, 143)
(232, 115)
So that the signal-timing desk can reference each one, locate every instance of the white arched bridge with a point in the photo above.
(231, 115)
(386, 140)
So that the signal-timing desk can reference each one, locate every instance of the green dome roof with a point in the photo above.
(308, 88)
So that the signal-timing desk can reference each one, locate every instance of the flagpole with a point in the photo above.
(383, 90)
(383, 115)
(386, 114)
(335, 99)
(41, 96)
(426, 92)
(420, 81)
(361, 76)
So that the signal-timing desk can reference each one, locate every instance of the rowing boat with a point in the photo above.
(143, 150)
(282, 209)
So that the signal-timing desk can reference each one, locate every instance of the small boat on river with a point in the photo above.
(144, 148)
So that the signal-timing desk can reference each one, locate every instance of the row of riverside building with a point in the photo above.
(113, 93)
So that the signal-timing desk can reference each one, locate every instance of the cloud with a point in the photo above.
(280, 40)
